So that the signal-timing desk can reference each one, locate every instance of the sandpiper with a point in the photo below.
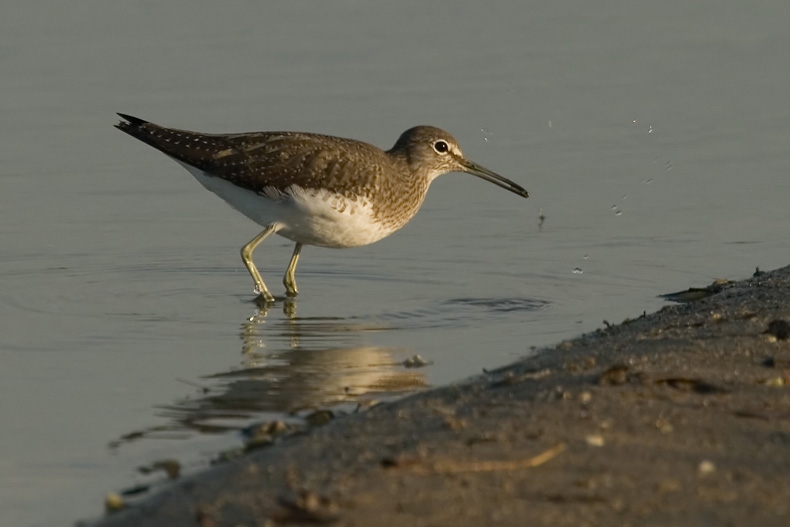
(315, 189)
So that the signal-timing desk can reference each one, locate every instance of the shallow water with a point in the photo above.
(653, 138)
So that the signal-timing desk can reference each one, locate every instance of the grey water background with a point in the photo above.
(653, 137)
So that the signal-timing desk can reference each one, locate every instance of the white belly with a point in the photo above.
(311, 217)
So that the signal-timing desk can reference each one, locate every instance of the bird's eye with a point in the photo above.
(441, 147)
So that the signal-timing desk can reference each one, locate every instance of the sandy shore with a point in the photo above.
(681, 417)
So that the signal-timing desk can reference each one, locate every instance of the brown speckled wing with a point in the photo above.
(267, 161)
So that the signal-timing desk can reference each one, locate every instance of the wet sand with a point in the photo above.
(681, 417)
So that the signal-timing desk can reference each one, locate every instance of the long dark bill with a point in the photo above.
(493, 177)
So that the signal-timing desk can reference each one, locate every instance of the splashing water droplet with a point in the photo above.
(257, 289)
(650, 129)
(486, 134)
(577, 270)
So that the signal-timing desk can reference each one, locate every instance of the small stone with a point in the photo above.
(664, 426)
(454, 423)
(416, 362)
(667, 486)
(614, 376)
(596, 440)
(319, 417)
(706, 467)
(779, 328)
(113, 503)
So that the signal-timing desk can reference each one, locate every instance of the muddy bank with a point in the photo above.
(681, 417)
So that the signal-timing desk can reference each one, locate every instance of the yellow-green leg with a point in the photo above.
(246, 256)
(289, 280)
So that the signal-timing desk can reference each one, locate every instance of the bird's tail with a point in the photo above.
(193, 148)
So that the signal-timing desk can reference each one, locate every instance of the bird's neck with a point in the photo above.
(399, 199)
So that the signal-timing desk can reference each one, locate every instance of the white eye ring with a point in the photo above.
(441, 147)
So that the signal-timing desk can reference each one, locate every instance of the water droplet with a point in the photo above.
(624, 196)
(550, 123)
(650, 129)
(577, 270)
(586, 256)
(257, 290)
(618, 213)
(614, 207)
(647, 181)
(486, 134)
(668, 165)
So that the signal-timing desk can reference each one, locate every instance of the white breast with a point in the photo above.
(312, 217)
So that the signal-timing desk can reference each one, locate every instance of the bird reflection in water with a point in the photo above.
(291, 367)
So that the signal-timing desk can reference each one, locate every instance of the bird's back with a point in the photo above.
(263, 162)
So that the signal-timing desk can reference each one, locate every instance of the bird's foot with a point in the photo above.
(263, 292)
(264, 302)
(290, 288)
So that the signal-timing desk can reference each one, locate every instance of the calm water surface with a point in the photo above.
(653, 138)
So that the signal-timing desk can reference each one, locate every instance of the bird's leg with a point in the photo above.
(246, 256)
(289, 280)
